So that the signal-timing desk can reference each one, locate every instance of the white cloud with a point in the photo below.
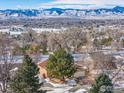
(81, 4)
(18, 6)
(101, 2)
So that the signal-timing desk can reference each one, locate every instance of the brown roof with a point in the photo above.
(43, 63)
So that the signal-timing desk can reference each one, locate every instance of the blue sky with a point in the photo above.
(81, 4)
(7, 4)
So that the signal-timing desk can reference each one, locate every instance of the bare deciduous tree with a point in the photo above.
(6, 61)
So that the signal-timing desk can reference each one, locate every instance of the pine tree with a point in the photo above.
(103, 84)
(60, 65)
(26, 79)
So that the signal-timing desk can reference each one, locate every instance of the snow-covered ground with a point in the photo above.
(60, 90)
(39, 30)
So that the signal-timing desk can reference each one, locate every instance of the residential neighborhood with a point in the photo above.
(62, 46)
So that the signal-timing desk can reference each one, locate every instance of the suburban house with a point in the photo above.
(93, 63)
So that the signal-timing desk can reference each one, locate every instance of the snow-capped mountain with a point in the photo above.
(62, 12)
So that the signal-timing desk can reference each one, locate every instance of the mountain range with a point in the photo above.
(118, 10)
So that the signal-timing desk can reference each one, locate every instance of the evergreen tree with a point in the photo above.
(26, 79)
(103, 84)
(60, 65)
